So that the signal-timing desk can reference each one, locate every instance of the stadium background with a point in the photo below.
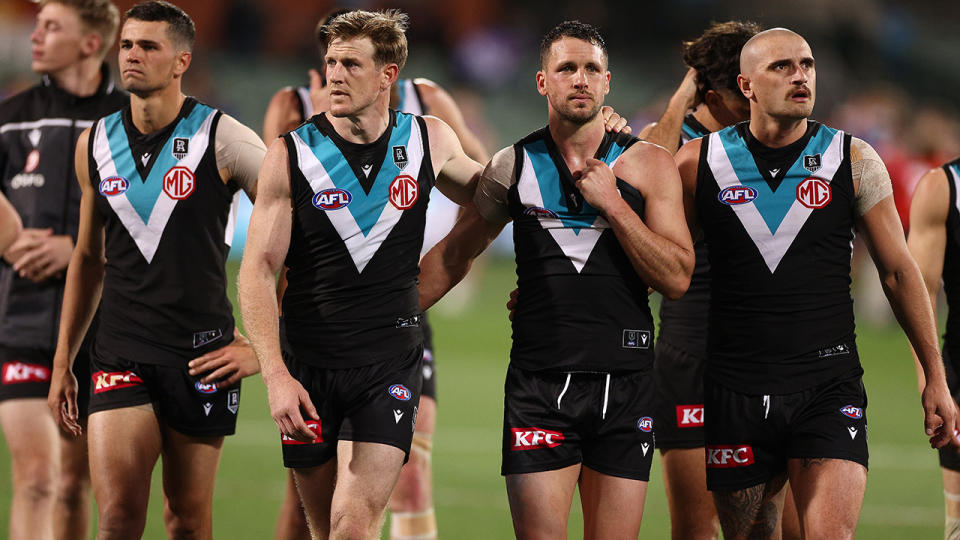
(887, 72)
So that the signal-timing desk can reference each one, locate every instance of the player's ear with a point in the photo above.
(745, 88)
(182, 62)
(90, 44)
(542, 83)
(389, 73)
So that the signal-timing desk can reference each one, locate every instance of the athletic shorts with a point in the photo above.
(429, 386)
(749, 438)
(679, 378)
(373, 403)
(949, 455)
(26, 374)
(179, 399)
(552, 420)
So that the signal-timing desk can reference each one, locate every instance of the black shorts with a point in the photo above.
(179, 399)
(373, 403)
(25, 373)
(949, 455)
(553, 420)
(679, 378)
(429, 386)
(749, 438)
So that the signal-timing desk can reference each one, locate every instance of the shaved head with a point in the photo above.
(766, 46)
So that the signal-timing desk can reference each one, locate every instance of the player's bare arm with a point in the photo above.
(440, 104)
(81, 296)
(10, 225)
(904, 286)
(268, 240)
(659, 245)
(456, 173)
(927, 240)
(283, 114)
(666, 130)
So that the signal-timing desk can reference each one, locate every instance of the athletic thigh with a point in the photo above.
(189, 470)
(32, 438)
(612, 506)
(540, 501)
(828, 494)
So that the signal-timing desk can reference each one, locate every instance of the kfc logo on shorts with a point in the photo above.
(532, 438)
(852, 412)
(403, 192)
(104, 381)
(689, 416)
(814, 193)
(314, 426)
(206, 388)
(19, 372)
(179, 183)
(400, 392)
(726, 457)
(645, 424)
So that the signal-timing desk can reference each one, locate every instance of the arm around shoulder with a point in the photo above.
(456, 173)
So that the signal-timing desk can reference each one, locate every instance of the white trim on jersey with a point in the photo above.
(361, 248)
(232, 218)
(411, 99)
(564, 391)
(147, 235)
(577, 247)
(606, 399)
(772, 246)
(46, 122)
(956, 183)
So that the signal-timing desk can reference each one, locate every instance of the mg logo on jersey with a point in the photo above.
(689, 416)
(725, 457)
(737, 195)
(113, 186)
(332, 199)
(852, 412)
(400, 392)
(814, 193)
(104, 381)
(645, 424)
(532, 438)
(19, 372)
(403, 192)
(314, 426)
(206, 388)
(180, 147)
(179, 183)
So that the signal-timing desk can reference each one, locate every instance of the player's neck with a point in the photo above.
(157, 110)
(81, 79)
(703, 115)
(366, 126)
(776, 132)
(576, 142)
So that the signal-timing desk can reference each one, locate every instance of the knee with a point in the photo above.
(72, 489)
(358, 523)
(119, 520)
(37, 481)
(183, 520)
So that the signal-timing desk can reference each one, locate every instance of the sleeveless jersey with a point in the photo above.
(168, 221)
(355, 243)
(951, 264)
(581, 305)
(779, 226)
(684, 322)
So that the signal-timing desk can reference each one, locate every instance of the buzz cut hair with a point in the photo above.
(180, 26)
(715, 55)
(575, 30)
(386, 29)
(100, 16)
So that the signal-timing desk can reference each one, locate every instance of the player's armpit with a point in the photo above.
(456, 173)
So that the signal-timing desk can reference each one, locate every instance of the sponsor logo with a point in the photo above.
(145, 158)
(104, 381)
(534, 438)
(181, 147)
(645, 424)
(413, 420)
(400, 392)
(33, 160)
(400, 156)
(332, 199)
(179, 183)
(725, 457)
(644, 447)
(408, 322)
(206, 388)
(314, 426)
(853, 432)
(233, 402)
(636, 339)
(540, 212)
(34, 137)
(836, 350)
(814, 193)
(207, 336)
(23, 180)
(403, 192)
(737, 195)
(812, 163)
(19, 372)
(689, 416)
(397, 415)
(852, 412)
(113, 186)
(206, 408)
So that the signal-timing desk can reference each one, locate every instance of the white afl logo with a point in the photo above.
(179, 183)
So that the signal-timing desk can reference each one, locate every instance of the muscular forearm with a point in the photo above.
(440, 270)
(81, 296)
(909, 299)
(258, 305)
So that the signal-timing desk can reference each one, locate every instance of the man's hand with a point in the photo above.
(38, 254)
(512, 302)
(687, 91)
(62, 400)
(940, 414)
(227, 365)
(613, 122)
(287, 397)
(598, 185)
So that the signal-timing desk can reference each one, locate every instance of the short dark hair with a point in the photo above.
(716, 55)
(571, 29)
(179, 25)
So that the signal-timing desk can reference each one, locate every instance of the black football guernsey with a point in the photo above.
(951, 264)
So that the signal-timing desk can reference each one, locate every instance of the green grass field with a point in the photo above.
(903, 500)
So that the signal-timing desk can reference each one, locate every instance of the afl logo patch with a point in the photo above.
(404, 192)
(179, 183)
(814, 193)
(737, 195)
(332, 199)
(852, 412)
(206, 388)
(645, 424)
(113, 186)
(400, 392)
(540, 212)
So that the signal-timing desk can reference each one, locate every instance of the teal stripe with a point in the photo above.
(548, 179)
(690, 132)
(401, 85)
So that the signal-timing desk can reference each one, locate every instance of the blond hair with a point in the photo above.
(386, 29)
(101, 16)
